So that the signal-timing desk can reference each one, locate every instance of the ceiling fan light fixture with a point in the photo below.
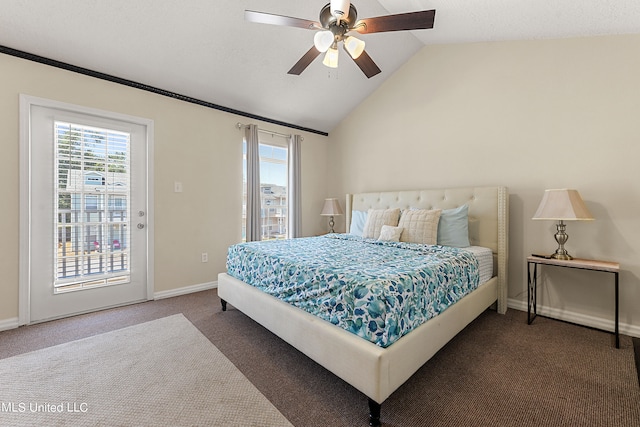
(337, 19)
(331, 58)
(323, 40)
(354, 46)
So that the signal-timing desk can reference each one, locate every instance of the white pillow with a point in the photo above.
(389, 233)
(420, 226)
(376, 218)
(358, 219)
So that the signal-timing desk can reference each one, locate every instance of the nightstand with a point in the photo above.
(583, 264)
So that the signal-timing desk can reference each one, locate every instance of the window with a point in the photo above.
(273, 188)
(91, 248)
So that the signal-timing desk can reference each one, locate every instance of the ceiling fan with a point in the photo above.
(338, 20)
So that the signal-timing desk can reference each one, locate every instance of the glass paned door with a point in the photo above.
(88, 173)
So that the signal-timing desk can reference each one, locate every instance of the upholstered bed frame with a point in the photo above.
(377, 372)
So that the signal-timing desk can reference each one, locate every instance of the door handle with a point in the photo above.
(140, 226)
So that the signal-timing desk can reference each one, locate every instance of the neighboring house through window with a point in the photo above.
(273, 187)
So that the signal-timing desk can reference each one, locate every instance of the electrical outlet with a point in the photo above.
(205, 257)
(177, 187)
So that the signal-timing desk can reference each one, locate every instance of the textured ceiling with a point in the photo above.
(205, 50)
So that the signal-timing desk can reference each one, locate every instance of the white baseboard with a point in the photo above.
(578, 318)
(185, 290)
(9, 324)
(13, 323)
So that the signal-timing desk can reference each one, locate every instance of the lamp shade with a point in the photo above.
(331, 208)
(562, 205)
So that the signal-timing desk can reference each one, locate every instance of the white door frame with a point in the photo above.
(26, 102)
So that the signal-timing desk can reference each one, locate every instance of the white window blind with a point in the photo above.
(92, 179)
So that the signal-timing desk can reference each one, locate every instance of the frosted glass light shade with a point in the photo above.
(354, 46)
(331, 58)
(323, 40)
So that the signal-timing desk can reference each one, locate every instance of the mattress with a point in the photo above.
(379, 291)
(485, 261)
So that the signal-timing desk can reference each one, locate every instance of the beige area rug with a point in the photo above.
(159, 373)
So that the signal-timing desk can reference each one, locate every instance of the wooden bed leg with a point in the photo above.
(224, 305)
(374, 413)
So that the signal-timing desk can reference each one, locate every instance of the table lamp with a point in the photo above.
(562, 205)
(331, 208)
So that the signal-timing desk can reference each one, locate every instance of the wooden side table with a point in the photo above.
(583, 264)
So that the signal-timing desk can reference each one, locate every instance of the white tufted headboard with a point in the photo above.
(488, 217)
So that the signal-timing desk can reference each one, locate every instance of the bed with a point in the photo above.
(378, 370)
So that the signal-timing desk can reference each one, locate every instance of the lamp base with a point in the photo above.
(561, 237)
(562, 257)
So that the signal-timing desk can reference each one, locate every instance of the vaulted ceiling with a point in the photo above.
(204, 49)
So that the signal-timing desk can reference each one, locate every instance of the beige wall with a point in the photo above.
(197, 146)
(528, 115)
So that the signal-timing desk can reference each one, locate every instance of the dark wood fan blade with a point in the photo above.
(422, 20)
(366, 64)
(304, 62)
(269, 18)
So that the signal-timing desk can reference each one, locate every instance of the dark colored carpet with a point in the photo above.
(636, 348)
(499, 371)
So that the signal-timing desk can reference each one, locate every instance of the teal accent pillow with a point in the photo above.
(453, 227)
(358, 219)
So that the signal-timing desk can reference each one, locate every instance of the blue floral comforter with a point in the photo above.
(377, 290)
